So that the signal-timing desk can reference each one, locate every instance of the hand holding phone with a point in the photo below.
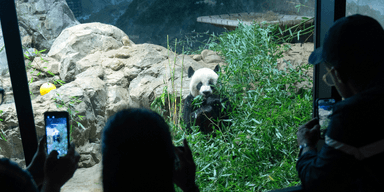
(57, 132)
(62, 159)
(184, 177)
(59, 171)
(323, 111)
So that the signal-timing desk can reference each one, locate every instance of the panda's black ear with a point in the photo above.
(217, 69)
(190, 72)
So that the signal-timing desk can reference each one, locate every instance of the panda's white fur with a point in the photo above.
(202, 81)
(206, 77)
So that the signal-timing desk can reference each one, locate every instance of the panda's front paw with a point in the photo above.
(207, 108)
(213, 100)
(204, 109)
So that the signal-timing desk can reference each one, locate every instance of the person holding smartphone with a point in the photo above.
(351, 158)
(152, 156)
(45, 172)
(138, 154)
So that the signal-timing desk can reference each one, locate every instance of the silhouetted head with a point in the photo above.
(15, 179)
(137, 151)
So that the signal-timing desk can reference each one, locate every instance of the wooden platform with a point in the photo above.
(230, 21)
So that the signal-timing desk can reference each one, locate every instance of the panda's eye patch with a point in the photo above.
(198, 86)
(211, 84)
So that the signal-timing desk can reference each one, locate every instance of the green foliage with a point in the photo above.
(170, 97)
(198, 101)
(158, 104)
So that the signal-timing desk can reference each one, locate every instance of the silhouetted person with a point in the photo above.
(353, 154)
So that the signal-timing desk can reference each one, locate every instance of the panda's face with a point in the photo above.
(202, 82)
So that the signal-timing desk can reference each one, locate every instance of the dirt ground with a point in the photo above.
(85, 180)
(298, 55)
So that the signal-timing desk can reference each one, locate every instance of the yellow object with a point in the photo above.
(46, 88)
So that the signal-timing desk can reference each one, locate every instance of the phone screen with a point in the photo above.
(56, 129)
(324, 110)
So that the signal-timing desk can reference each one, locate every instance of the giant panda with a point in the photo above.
(202, 83)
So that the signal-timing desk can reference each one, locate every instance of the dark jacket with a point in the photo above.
(343, 164)
(15, 178)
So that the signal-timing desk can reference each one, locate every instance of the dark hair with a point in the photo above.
(362, 76)
(15, 179)
(137, 151)
(365, 68)
(359, 60)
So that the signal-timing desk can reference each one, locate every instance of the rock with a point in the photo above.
(91, 153)
(85, 179)
(210, 56)
(40, 23)
(197, 57)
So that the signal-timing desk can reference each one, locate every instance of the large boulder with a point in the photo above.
(40, 23)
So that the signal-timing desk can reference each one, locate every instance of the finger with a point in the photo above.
(77, 157)
(42, 142)
(51, 159)
(310, 124)
(53, 155)
(317, 129)
(188, 152)
(178, 150)
(186, 146)
(42, 139)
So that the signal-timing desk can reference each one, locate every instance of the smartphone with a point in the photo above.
(324, 109)
(57, 132)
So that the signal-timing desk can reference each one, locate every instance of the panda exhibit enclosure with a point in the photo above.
(105, 57)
